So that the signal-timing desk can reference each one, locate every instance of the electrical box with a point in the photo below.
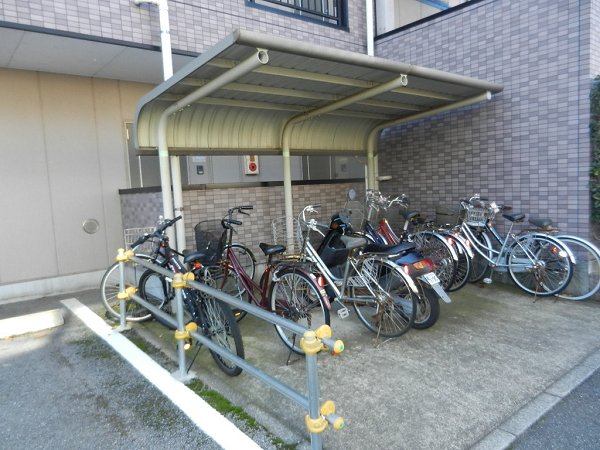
(251, 165)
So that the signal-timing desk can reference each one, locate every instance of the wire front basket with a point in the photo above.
(476, 216)
(130, 235)
(210, 240)
(279, 232)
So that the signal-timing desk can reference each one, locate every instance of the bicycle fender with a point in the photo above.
(560, 244)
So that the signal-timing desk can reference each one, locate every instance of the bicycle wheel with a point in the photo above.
(428, 308)
(156, 290)
(219, 325)
(228, 281)
(539, 265)
(245, 257)
(586, 271)
(463, 265)
(392, 311)
(110, 287)
(295, 295)
(480, 265)
(436, 248)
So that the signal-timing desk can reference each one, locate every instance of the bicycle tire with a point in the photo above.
(551, 271)
(392, 312)
(156, 290)
(245, 257)
(219, 325)
(438, 250)
(296, 296)
(464, 264)
(480, 265)
(586, 270)
(110, 286)
(428, 308)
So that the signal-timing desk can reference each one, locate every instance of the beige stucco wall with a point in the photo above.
(62, 143)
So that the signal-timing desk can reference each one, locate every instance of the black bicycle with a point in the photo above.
(214, 319)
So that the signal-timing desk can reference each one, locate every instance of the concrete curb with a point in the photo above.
(29, 323)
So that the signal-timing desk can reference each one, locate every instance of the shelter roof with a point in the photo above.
(329, 100)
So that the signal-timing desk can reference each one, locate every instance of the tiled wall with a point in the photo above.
(529, 147)
(143, 209)
(195, 25)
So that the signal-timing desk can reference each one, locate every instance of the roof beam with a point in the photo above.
(331, 79)
(297, 93)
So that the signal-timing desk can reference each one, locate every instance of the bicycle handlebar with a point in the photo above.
(157, 232)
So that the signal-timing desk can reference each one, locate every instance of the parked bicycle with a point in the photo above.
(213, 318)
(430, 244)
(537, 263)
(285, 287)
(586, 271)
(407, 256)
(383, 296)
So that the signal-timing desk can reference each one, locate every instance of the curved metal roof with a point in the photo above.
(238, 97)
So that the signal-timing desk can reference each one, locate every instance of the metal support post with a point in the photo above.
(123, 295)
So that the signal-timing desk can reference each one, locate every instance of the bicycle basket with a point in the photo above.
(476, 216)
(210, 240)
(131, 235)
(279, 229)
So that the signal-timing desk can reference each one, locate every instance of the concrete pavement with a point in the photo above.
(495, 362)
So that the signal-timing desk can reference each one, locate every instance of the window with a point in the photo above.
(327, 12)
(393, 14)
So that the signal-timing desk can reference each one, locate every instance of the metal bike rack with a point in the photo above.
(314, 341)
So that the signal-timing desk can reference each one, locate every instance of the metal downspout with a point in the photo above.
(373, 138)
(370, 22)
(395, 83)
(175, 166)
(248, 65)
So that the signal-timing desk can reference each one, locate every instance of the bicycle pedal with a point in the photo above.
(487, 281)
(343, 312)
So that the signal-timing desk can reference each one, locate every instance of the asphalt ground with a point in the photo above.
(495, 364)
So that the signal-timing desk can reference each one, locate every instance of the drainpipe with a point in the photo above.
(373, 138)
(175, 166)
(369, 8)
(395, 83)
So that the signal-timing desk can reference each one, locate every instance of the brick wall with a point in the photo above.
(528, 147)
(195, 25)
(142, 209)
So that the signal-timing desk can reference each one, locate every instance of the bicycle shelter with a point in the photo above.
(258, 94)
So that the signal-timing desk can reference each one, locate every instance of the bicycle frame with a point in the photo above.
(232, 263)
(338, 285)
(500, 254)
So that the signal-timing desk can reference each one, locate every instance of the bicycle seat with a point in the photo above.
(517, 217)
(353, 242)
(194, 256)
(409, 214)
(271, 249)
(389, 249)
(541, 223)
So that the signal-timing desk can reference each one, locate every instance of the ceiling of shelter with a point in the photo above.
(32, 50)
(346, 95)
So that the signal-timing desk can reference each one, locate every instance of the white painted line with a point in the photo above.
(30, 323)
(210, 421)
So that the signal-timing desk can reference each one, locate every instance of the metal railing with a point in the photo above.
(319, 417)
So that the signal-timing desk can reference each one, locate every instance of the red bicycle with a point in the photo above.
(285, 287)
